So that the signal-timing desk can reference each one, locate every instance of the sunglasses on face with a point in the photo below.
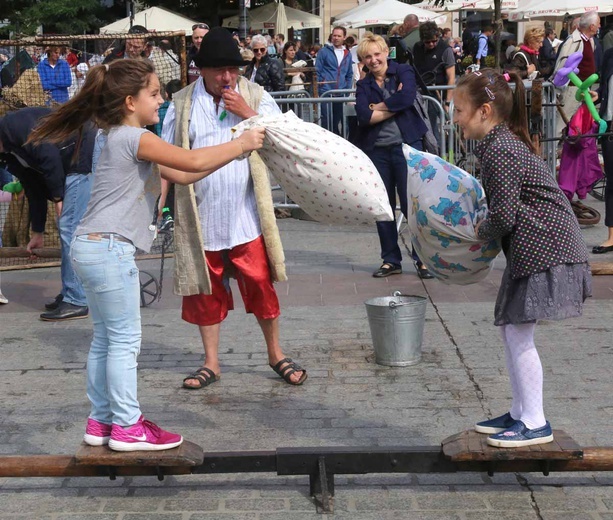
(200, 26)
(256, 51)
(431, 42)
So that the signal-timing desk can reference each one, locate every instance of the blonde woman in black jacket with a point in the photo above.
(525, 61)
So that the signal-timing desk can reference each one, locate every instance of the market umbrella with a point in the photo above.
(468, 5)
(154, 19)
(559, 8)
(382, 12)
(276, 16)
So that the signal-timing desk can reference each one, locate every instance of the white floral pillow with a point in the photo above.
(328, 177)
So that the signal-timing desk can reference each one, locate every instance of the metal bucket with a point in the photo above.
(397, 327)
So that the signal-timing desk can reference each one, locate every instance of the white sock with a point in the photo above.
(528, 371)
(515, 410)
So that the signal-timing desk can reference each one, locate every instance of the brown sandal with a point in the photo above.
(204, 375)
(290, 368)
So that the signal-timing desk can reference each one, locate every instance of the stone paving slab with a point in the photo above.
(347, 401)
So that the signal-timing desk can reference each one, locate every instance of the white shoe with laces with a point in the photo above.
(3, 299)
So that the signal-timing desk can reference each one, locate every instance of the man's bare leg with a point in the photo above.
(270, 328)
(210, 340)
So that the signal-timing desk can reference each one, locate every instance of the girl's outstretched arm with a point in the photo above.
(199, 162)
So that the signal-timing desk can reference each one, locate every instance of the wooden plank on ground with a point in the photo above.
(188, 454)
(472, 446)
(601, 268)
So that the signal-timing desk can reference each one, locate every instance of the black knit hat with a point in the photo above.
(219, 49)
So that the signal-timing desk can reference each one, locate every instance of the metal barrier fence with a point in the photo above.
(461, 150)
(23, 86)
(334, 107)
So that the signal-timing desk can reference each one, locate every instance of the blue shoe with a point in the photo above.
(496, 425)
(518, 436)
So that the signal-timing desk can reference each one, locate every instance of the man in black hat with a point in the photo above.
(225, 222)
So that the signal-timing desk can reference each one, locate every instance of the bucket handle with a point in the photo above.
(393, 304)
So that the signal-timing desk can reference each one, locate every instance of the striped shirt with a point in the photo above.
(225, 199)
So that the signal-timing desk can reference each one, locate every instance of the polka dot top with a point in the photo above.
(526, 207)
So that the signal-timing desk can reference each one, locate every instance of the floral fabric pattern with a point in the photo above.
(329, 178)
(445, 205)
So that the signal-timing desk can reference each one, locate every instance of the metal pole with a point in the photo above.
(130, 6)
(242, 19)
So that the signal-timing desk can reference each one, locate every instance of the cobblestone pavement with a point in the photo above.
(347, 401)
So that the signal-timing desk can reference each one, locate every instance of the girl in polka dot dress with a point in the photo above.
(547, 274)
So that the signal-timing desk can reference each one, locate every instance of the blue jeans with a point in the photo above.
(332, 117)
(111, 282)
(392, 167)
(76, 196)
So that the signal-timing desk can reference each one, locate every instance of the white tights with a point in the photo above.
(526, 374)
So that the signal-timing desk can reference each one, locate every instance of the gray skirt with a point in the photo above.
(554, 294)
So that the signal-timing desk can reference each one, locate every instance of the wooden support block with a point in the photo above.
(472, 446)
(188, 454)
(601, 268)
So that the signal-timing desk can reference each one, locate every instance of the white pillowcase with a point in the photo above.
(328, 177)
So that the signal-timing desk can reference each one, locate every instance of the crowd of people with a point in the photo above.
(222, 190)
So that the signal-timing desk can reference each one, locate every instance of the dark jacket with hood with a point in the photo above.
(42, 169)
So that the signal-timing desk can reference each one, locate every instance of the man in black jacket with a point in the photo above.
(199, 31)
(433, 58)
(59, 173)
(547, 55)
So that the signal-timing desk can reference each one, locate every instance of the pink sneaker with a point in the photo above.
(97, 433)
(142, 436)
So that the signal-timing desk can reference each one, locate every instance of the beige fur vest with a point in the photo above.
(191, 272)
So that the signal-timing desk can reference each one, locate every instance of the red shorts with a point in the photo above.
(250, 264)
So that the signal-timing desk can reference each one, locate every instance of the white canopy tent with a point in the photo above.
(537, 9)
(467, 5)
(383, 12)
(154, 19)
(278, 17)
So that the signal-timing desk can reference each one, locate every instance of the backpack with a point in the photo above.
(429, 141)
(473, 47)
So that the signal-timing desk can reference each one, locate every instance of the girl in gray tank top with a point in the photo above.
(123, 97)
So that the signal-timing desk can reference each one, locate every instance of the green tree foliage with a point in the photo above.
(56, 16)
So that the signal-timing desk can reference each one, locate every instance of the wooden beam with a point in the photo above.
(601, 268)
(21, 252)
(424, 459)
